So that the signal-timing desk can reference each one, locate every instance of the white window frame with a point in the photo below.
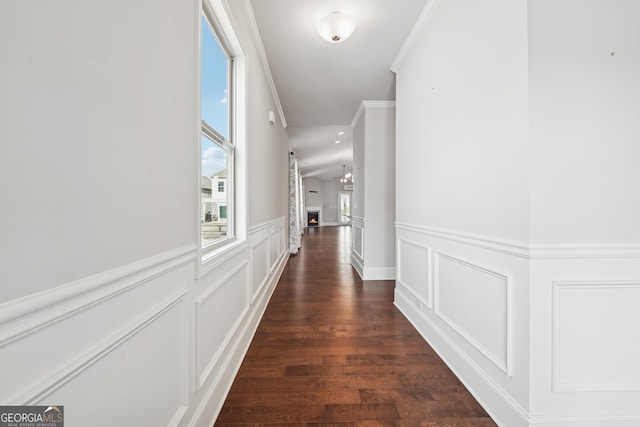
(210, 255)
(213, 136)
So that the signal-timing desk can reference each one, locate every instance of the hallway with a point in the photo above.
(333, 349)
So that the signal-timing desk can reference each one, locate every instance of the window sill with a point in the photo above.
(212, 259)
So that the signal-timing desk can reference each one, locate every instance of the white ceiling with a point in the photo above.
(321, 85)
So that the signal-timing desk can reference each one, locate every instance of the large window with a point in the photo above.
(217, 145)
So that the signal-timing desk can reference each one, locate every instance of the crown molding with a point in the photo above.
(423, 21)
(379, 104)
(262, 54)
(370, 104)
(354, 122)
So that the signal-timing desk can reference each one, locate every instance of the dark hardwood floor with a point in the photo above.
(333, 350)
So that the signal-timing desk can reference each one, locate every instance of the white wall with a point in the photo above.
(100, 187)
(373, 197)
(466, 168)
(314, 194)
(585, 285)
(85, 167)
(330, 205)
(462, 202)
(584, 116)
(359, 169)
(379, 186)
(323, 193)
(518, 248)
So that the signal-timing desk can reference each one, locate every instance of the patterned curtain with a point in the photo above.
(301, 205)
(295, 205)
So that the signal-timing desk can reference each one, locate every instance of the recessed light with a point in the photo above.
(337, 142)
(341, 133)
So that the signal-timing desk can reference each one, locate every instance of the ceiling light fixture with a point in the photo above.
(336, 27)
(341, 133)
(346, 177)
(337, 142)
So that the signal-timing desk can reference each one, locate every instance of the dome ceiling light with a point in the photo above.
(336, 27)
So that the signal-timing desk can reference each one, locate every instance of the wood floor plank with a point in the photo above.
(305, 397)
(332, 350)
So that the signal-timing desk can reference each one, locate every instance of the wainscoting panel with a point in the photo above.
(59, 337)
(357, 237)
(230, 319)
(584, 359)
(474, 301)
(414, 269)
(476, 313)
(267, 247)
(218, 314)
(93, 391)
(282, 232)
(156, 342)
(259, 264)
(274, 247)
(595, 324)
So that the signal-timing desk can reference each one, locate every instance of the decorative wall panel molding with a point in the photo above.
(532, 251)
(77, 365)
(415, 269)
(63, 300)
(358, 240)
(266, 247)
(594, 336)
(221, 311)
(274, 248)
(156, 387)
(63, 330)
(269, 225)
(259, 256)
(509, 247)
(233, 351)
(214, 260)
(217, 319)
(508, 411)
(585, 251)
(475, 301)
(358, 265)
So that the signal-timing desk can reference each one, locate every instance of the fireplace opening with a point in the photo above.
(313, 218)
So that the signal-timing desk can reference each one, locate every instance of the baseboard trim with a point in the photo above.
(588, 421)
(496, 401)
(379, 273)
(357, 265)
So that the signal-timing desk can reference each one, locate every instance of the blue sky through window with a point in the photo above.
(214, 103)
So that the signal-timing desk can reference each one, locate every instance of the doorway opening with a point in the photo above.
(344, 207)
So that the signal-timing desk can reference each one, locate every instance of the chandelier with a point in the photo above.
(346, 177)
